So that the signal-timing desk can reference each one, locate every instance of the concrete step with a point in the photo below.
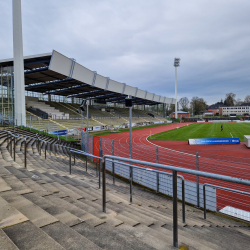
(69, 238)
(143, 233)
(186, 239)
(80, 213)
(225, 239)
(9, 215)
(60, 213)
(107, 238)
(6, 242)
(27, 236)
(35, 214)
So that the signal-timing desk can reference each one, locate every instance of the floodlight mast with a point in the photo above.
(19, 91)
(176, 64)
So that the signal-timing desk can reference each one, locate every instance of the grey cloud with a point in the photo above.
(136, 41)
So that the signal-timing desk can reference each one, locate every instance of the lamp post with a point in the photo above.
(176, 64)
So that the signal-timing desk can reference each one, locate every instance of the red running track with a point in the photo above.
(230, 160)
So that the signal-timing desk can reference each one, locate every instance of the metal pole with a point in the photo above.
(175, 210)
(100, 169)
(204, 200)
(74, 158)
(45, 150)
(8, 145)
(183, 201)
(176, 116)
(14, 141)
(69, 162)
(86, 163)
(11, 145)
(113, 165)
(197, 180)
(100, 152)
(157, 174)
(87, 126)
(130, 148)
(25, 153)
(103, 187)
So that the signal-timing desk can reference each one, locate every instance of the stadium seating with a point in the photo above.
(44, 207)
(51, 111)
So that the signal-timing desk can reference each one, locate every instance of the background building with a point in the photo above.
(238, 110)
(181, 114)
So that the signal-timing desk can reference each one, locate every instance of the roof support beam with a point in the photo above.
(52, 92)
(36, 70)
(44, 84)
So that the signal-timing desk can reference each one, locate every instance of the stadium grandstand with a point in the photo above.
(55, 86)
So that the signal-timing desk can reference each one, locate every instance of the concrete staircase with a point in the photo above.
(44, 207)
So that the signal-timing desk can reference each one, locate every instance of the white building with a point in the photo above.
(238, 110)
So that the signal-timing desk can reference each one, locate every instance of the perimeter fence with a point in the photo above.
(216, 198)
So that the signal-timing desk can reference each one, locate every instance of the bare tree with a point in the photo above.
(198, 105)
(247, 99)
(230, 99)
(238, 102)
(184, 102)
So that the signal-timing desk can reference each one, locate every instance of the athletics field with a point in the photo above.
(204, 130)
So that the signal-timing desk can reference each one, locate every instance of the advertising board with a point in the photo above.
(211, 141)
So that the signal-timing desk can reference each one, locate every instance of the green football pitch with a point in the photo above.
(204, 130)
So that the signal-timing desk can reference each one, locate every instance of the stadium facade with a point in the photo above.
(55, 74)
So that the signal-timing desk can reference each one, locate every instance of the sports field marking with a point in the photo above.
(231, 134)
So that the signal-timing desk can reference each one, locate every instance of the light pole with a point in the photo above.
(176, 64)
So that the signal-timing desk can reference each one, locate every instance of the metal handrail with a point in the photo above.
(155, 171)
(25, 146)
(219, 187)
(75, 151)
(175, 170)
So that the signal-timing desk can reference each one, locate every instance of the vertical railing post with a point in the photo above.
(197, 180)
(86, 163)
(131, 183)
(157, 174)
(100, 154)
(175, 210)
(113, 165)
(183, 201)
(45, 150)
(14, 149)
(8, 145)
(25, 153)
(70, 162)
(11, 145)
(103, 187)
(204, 201)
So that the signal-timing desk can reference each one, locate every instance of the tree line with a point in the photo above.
(197, 105)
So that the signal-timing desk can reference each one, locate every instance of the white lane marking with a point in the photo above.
(231, 134)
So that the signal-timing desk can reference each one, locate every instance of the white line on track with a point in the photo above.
(169, 148)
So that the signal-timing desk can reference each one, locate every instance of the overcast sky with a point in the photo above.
(135, 42)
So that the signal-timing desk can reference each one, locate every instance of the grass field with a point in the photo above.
(205, 130)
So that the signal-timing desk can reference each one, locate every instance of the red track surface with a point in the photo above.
(220, 159)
